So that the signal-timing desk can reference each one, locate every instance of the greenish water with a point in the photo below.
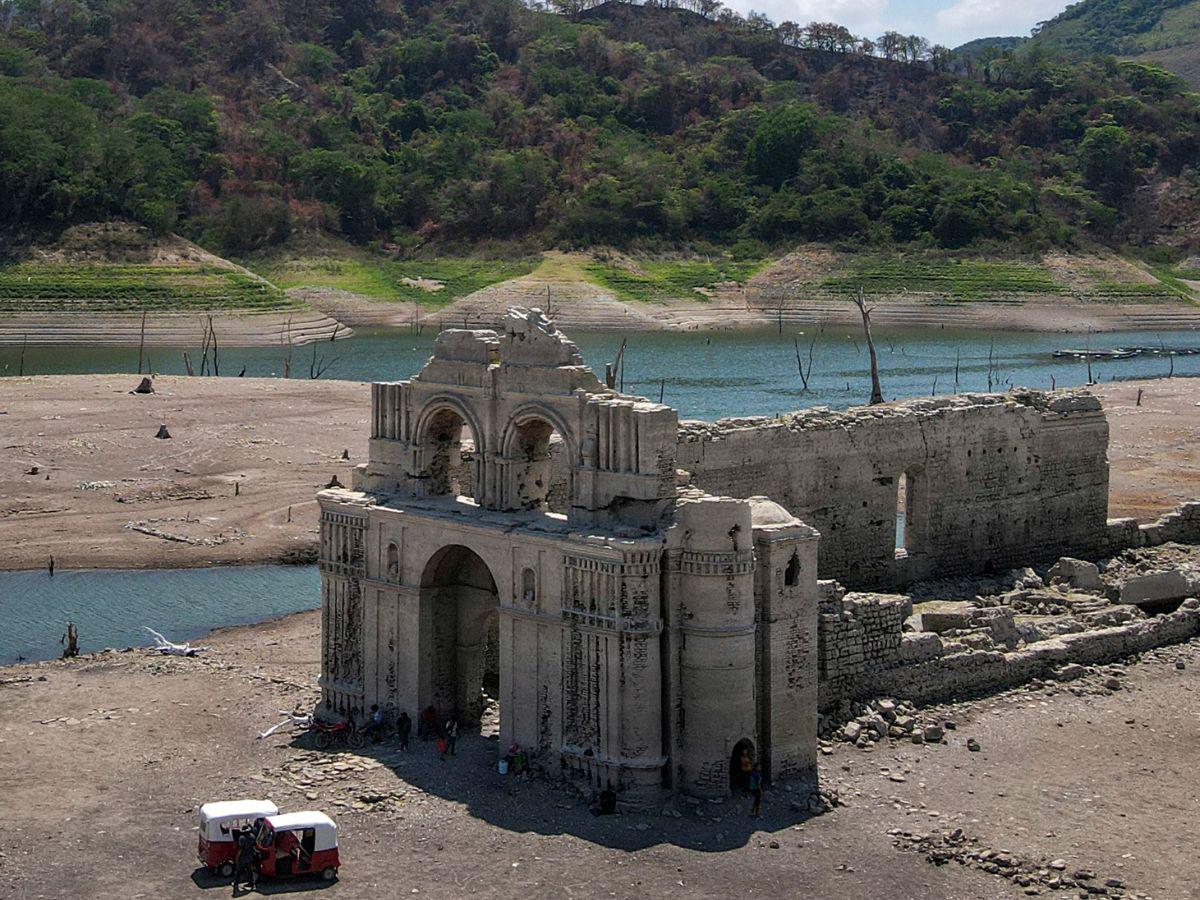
(711, 375)
(109, 607)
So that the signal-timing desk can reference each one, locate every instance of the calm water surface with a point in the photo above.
(711, 375)
(110, 606)
(703, 375)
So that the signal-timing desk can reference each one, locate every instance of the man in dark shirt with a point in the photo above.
(244, 871)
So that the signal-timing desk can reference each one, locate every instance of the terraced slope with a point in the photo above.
(102, 288)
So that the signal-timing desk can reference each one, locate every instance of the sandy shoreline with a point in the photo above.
(331, 312)
(236, 482)
(580, 307)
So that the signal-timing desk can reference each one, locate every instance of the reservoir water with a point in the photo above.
(109, 607)
(708, 375)
(705, 375)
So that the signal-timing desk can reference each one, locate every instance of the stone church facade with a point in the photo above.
(639, 636)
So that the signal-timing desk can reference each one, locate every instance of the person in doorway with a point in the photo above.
(754, 785)
(606, 801)
(404, 729)
(451, 735)
(745, 767)
(243, 873)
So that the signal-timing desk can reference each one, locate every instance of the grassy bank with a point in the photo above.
(656, 281)
(34, 287)
(429, 282)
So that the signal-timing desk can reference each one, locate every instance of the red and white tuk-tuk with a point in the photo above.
(299, 843)
(221, 823)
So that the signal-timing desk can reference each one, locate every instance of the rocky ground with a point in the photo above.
(245, 451)
(1075, 790)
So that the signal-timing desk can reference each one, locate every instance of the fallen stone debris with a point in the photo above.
(1036, 876)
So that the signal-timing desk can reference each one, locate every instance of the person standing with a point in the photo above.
(451, 735)
(376, 724)
(404, 729)
(755, 786)
(243, 872)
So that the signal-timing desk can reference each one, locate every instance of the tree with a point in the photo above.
(891, 45)
(1106, 158)
(783, 136)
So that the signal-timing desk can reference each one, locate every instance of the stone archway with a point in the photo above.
(463, 656)
(533, 479)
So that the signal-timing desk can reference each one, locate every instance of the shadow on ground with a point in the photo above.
(206, 880)
(536, 804)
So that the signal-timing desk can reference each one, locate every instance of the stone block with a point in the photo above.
(1139, 589)
(1078, 573)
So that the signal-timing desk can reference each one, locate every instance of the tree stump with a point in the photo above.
(145, 387)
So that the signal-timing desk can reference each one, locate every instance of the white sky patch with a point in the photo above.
(948, 22)
(863, 17)
(967, 19)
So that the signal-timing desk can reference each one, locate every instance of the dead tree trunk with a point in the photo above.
(216, 361)
(70, 642)
(142, 342)
(876, 390)
(805, 371)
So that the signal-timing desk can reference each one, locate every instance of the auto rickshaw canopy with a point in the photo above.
(213, 815)
(323, 827)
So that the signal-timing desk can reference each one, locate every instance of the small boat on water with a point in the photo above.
(1119, 353)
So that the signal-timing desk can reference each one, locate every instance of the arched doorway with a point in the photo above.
(464, 649)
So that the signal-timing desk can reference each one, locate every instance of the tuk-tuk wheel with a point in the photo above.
(328, 873)
(225, 870)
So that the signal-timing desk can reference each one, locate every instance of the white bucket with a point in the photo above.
(502, 767)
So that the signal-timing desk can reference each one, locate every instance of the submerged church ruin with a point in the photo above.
(640, 596)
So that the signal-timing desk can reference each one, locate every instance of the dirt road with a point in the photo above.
(104, 762)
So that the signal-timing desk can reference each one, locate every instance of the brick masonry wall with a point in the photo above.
(992, 480)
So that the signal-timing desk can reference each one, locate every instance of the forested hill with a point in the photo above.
(463, 121)
(1165, 32)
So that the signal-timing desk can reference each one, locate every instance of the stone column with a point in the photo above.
(713, 617)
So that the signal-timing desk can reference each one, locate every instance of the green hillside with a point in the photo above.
(486, 128)
(1162, 32)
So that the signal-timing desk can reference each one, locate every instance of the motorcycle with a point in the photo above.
(330, 733)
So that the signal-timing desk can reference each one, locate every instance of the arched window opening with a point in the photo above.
(529, 588)
(792, 572)
(445, 434)
(531, 454)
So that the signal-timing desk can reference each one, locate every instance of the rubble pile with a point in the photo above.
(886, 719)
(1036, 876)
(963, 637)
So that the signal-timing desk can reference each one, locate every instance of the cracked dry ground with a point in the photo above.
(104, 762)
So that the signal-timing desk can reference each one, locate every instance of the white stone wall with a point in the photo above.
(993, 480)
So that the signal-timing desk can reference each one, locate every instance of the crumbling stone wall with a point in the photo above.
(857, 635)
(1181, 525)
(991, 480)
(981, 671)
